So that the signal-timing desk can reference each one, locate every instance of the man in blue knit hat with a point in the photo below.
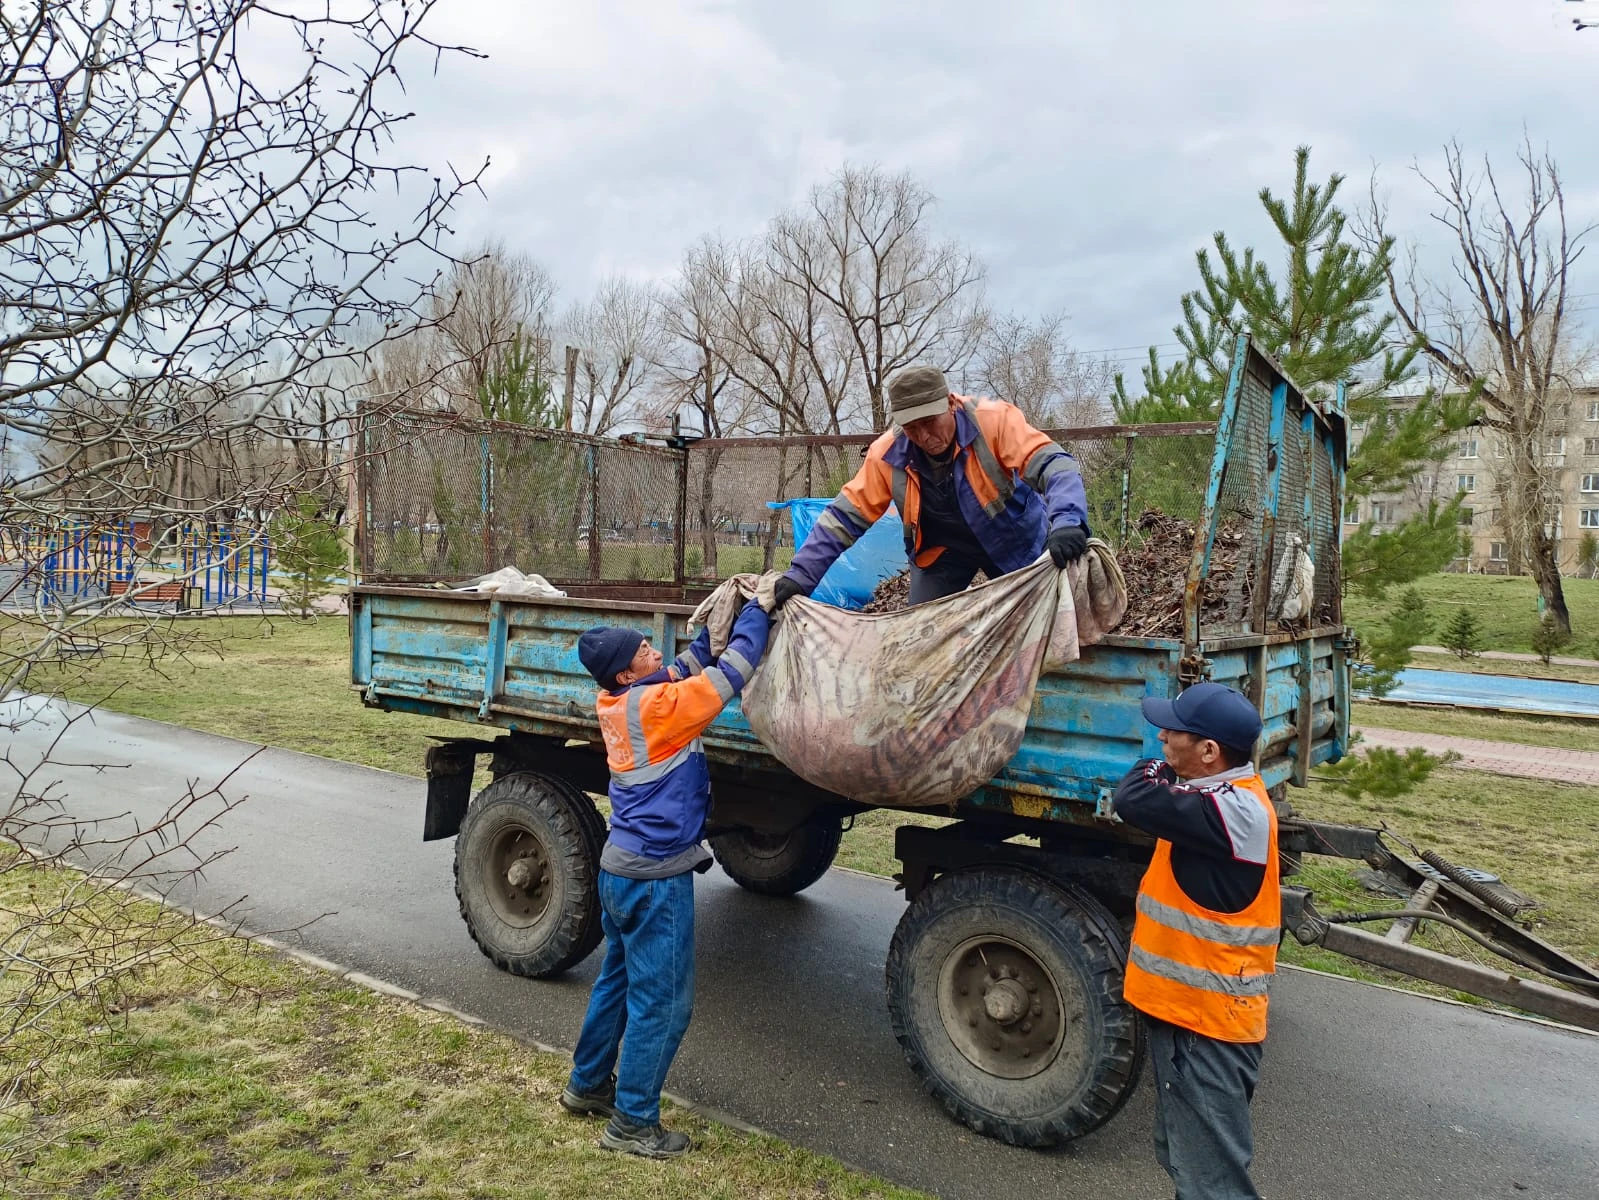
(660, 792)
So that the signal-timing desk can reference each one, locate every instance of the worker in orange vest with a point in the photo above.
(1205, 940)
(976, 487)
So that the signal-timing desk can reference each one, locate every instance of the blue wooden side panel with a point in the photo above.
(513, 664)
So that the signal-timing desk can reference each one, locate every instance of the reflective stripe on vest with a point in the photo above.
(1004, 486)
(638, 769)
(898, 485)
(654, 771)
(1201, 970)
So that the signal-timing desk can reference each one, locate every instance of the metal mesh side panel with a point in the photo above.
(447, 498)
(425, 500)
(1239, 510)
(1290, 529)
(1325, 518)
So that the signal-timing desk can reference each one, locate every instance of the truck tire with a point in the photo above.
(779, 864)
(1004, 992)
(527, 864)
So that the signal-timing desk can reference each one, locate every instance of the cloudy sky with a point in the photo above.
(1084, 149)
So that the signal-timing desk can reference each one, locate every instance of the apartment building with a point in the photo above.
(1472, 470)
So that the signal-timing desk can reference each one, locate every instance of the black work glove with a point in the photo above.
(784, 590)
(1066, 544)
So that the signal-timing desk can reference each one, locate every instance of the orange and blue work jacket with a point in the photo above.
(1013, 485)
(1204, 944)
(660, 784)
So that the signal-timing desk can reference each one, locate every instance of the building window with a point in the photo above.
(1382, 511)
(1593, 410)
(1590, 447)
(1352, 512)
(1590, 483)
(1465, 483)
(1590, 518)
(1496, 552)
(1467, 448)
(1555, 447)
(1465, 516)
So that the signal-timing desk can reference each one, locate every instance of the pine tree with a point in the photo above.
(1388, 649)
(1547, 637)
(1322, 321)
(309, 551)
(1463, 636)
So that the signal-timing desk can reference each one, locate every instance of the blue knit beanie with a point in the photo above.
(606, 650)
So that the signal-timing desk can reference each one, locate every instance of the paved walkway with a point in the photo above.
(1555, 660)
(1500, 758)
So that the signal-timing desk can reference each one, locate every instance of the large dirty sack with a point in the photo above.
(920, 707)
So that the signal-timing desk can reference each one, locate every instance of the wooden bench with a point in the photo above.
(170, 592)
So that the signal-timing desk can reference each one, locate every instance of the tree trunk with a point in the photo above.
(1546, 571)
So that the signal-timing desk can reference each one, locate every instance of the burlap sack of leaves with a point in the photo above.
(921, 707)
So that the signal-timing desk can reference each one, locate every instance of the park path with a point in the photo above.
(1499, 758)
(1555, 660)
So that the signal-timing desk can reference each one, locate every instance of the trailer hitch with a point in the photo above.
(1394, 952)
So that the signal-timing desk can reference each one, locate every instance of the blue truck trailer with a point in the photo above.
(1004, 976)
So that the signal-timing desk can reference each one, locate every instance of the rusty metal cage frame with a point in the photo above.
(664, 518)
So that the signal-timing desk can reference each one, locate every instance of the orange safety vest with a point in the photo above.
(1202, 970)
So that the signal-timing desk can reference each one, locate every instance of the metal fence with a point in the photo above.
(448, 498)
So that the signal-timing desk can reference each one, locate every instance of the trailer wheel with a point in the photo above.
(779, 864)
(527, 863)
(1004, 991)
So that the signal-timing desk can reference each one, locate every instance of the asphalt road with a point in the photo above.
(1366, 1092)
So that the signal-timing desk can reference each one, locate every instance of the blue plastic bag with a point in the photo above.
(850, 580)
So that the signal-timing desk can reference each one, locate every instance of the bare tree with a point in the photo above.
(489, 300)
(203, 237)
(619, 337)
(1501, 324)
(1031, 363)
(893, 294)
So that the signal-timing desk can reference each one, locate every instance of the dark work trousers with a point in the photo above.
(950, 573)
(1202, 1092)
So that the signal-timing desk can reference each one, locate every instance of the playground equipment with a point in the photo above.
(71, 560)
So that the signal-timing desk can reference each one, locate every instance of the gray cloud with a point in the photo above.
(1086, 150)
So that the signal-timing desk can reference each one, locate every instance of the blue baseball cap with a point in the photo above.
(606, 651)
(1207, 710)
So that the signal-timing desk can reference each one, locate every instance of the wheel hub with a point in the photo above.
(1001, 1007)
(519, 871)
(1005, 1002)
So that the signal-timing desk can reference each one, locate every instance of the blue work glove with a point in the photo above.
(1066, 544)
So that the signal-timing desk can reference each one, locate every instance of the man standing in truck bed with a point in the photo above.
(660, 791)
(976, 486)
(1204, 945)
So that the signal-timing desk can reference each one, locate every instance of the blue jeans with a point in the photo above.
(1202, 1092)
(645, 988)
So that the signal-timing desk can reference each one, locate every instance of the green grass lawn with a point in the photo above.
(245, 1075)
(1506, 608)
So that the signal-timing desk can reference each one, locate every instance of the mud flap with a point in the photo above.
(449, 768)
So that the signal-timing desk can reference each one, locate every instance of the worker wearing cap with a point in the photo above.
(976, 486)
(1204, 945)
(660, 792)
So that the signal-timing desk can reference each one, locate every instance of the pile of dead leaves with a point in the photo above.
(891, 595)
(1155, 563)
